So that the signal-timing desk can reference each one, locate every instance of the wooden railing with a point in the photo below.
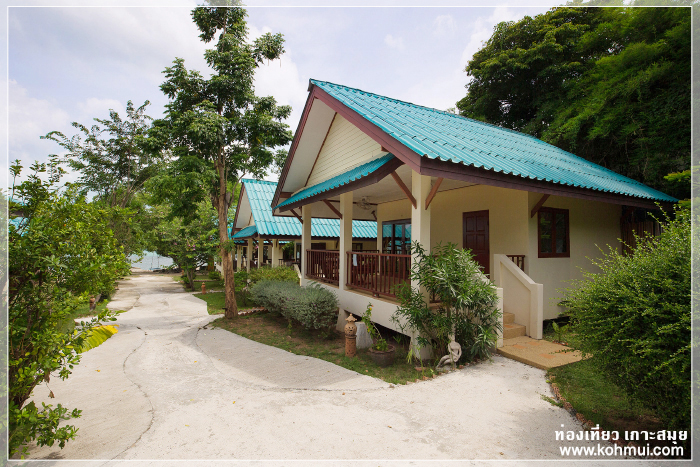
(323, 265)
(380, 274)
(519, 261)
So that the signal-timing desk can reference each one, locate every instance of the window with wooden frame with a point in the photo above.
(396, 236)
(553, 233)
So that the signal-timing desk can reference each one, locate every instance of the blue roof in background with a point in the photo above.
(260, 194)
(437, 134)
(339, 180)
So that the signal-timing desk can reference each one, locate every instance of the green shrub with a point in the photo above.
(282, 273)
(633, 318)
(273, 295)
(314, 307)
(214, 275)
(466, 302)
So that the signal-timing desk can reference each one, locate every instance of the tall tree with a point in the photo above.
(115, 158)
(611, 85)
(218, 129)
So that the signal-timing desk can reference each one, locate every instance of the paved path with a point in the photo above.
(166, 386)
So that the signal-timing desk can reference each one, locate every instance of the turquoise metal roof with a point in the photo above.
(442, 135)
(246, 232)
(339, 180)
(260, 194)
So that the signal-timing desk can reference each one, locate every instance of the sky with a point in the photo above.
(75, 63)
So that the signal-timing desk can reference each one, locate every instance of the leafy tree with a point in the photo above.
(60, 252)
(218, 129)
(611, 85)
(115, 158)
(189, 245)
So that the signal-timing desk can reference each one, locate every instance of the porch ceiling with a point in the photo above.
(385, 191)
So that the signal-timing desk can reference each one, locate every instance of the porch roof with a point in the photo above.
(372, 167)
(438, 143)
(246, 232)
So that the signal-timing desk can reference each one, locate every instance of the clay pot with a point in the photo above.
(383, 358)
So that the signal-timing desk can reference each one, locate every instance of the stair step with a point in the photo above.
(508, 318)
(513, 330)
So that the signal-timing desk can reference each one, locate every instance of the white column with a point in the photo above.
(420, 226)
(305, 238)
(345, 244)
(261, 247)
(275, 253)
(238, 258)
(250, 254)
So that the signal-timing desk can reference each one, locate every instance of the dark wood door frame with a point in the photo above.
(470, 239)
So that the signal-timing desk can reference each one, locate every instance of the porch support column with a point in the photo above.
(261, 248)
(345, 238)
(420, 229)
(275, 252)
(238, 257)
(249, 258)
(305, 239)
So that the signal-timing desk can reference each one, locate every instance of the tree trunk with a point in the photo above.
(226, 261)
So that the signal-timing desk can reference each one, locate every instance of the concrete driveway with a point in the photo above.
(167, 387)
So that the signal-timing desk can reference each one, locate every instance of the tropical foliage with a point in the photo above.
(189, 244)
(633, 318)
(465, 302)
(611, 85)
(61, 251)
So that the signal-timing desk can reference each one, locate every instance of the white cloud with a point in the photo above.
(444, 26)
(30, 118)
(394, 42)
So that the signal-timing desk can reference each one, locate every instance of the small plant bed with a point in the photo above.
(217, 300)
(581, 389)
(274, 330)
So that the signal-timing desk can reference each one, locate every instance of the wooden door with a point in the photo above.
(476, 236)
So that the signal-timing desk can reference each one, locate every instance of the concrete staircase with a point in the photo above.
(510, 329)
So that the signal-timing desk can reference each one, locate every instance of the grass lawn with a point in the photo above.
(273, 330)
(600, 401)
(217, 300)
(198, 279)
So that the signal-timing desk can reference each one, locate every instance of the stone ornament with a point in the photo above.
(455, 352)
(350, 336)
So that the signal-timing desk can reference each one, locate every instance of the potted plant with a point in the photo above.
(381, 352)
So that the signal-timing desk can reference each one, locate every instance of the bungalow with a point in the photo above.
(255, 223)
(531, 213)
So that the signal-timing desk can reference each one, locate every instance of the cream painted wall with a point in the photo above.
(345, 147)
(507, 216)
(592, 224)
(513, 232)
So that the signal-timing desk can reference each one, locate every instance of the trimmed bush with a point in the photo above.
(273, 294)
(314, 307)
(214, 275)
(633, 318)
